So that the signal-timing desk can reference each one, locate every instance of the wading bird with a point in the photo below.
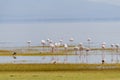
(43, 43)
(71, 40)
(103, 55)
(87, 50)
(65, 47)
(89, 40)
(52, 47)
(29, 43)
(76, 49)
(117, 52)
(61, 42)
(14, 55)
(81, 48)
(112, 51)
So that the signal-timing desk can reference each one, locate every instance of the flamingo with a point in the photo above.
(48, 41)
(89, 39)
(87, 50)
(76, 48)
(57, 45)
(65, 47)
(71, 40)
(53, 58)
(61, 42)
(112, 47)
(81, 48)
(103, 55)
(52, 47)
(117, 51)
(43, 43)
(29, 43)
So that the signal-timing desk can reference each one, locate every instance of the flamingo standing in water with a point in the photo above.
(57, 45)
(81, 48)
(89, 39)
(43, 43)
(65, 47)
(48, 41)
(52, 50)
(29, 43)
(76, 51)
(87, 50)
(61, 42)
(112, 48)
(117, 51)
(71, 40)
(103, 55)
(52, 47)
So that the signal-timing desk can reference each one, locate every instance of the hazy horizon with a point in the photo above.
(23, 20)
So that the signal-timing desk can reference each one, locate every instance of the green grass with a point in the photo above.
(58, 67)
(31, 52)
(9, 53)
(61, 75)
(59, 72)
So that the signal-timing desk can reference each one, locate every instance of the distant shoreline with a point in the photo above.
(59, 20)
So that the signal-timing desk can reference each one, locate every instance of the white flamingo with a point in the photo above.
(29, 43)
(48, 41)
(81, 48)
(117, 51)
(43, 43)
(71, 40)
(87, 50)
(65, 47)
(61, 42)
(52, 47)
(112, 47)
(57, 45)
(103, 55)
(89, 39)
(52, 50)
(76, 48)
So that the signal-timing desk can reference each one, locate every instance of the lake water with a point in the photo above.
(93, 57)
(17, 34)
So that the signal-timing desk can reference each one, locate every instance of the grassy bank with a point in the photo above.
(58, 67)
(61, 75)
(59, 72)
(45, 53)
(35, 54)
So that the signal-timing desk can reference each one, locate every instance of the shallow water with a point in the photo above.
(92, 57)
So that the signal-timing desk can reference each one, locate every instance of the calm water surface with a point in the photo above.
(17, 34)
(90, 58)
